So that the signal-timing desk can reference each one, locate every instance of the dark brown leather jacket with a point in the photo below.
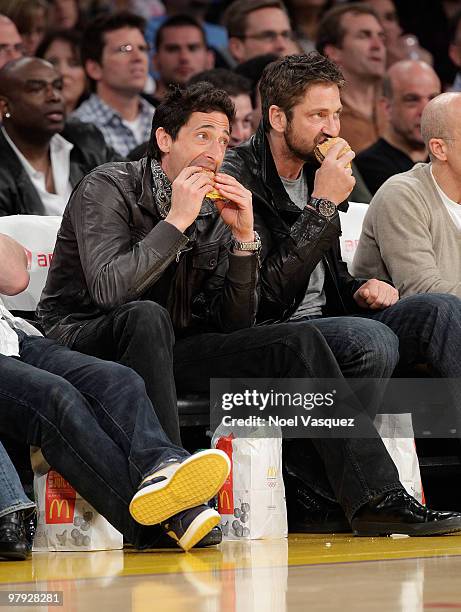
(293, 241)
(113, 247)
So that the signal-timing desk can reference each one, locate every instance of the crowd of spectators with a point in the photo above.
(141, 278)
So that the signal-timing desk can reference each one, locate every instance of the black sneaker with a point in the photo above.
(13, 541)
(398, 512)
(178, 486)
(191, 526)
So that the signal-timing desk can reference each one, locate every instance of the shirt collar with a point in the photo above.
(58, 145)
(108, 113)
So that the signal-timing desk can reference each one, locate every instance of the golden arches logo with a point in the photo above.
(224, 495)
(60, 503)
(272, 472)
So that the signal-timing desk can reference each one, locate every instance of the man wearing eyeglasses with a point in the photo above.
(257, 27)
(116, 58)
(11, 47)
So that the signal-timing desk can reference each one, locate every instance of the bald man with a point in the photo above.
(411, 233)
(11, 46)
(408, 86)
(43, 157)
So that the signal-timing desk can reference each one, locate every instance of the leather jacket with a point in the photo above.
(113, 247)
(294, 241)
(18, 196)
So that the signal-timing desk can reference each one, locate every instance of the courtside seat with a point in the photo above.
(351, 227)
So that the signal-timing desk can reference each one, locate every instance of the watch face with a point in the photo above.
(326, 208)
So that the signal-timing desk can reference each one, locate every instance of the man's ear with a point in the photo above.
(438, 147)
(277, 118)
(236, 48)
(210, 60)
(333, 53)
(164, 140)
(93, 70)
(385, 105)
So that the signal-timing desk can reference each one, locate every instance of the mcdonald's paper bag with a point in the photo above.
(252, 500)
(402, 450)
(66, 522)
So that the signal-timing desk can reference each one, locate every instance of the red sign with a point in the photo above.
(59, 499)
(226, 494)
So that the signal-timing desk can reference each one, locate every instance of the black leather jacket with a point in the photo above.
(293, 241)
(18, 196)
(113, 247)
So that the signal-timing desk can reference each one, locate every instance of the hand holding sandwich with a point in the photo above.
(188, 190)
(334, 180)
(236, 207)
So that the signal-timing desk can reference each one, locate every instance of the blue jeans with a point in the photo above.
(428, 327)
(12, 496)
(94, 424)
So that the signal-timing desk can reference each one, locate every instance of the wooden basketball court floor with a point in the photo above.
(305, 572)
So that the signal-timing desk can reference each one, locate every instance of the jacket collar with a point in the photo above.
(270, 176)
(31, 202)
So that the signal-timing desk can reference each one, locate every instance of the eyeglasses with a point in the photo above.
(270, 36)
(17, 49)
(129, 48)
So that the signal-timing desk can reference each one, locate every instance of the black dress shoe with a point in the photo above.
(398, 512)
(13, 541)
(308, 512)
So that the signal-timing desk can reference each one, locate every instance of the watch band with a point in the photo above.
(255, 245)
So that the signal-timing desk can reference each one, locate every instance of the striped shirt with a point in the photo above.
(115, 130)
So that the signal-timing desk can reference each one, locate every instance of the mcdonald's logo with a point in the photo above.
(224, 507)
(60, 499)
(272, 472)
(59, 504)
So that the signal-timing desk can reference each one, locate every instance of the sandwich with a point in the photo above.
(322, 149)
(214, 193)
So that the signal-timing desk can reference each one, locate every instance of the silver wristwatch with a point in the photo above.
(255, 245)
(323, 207)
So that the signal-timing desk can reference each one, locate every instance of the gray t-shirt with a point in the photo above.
(314, 298)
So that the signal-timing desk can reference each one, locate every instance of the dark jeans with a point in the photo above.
(428, 327)
(94, 424)
(353, 470)
(139, 335)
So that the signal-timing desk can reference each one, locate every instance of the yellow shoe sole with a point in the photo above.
(196, 480)
(198, 529)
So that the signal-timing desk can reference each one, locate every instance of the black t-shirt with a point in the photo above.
(381, 161)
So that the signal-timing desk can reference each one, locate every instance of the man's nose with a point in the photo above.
(53, 93)
(331, 127)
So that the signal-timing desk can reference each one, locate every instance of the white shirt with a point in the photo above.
(9, 341)
(454, 209)
(60, 148)
(137, 127)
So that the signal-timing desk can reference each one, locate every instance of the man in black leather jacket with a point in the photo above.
(142, 258)
(303, 279)
(43, 157)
